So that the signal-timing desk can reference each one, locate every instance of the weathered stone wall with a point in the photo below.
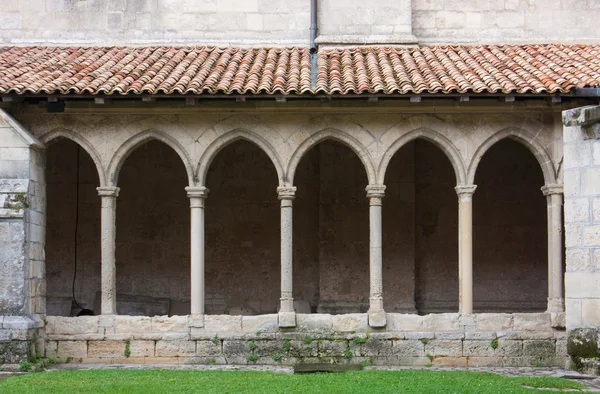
(280, 22)
(582, 236)
(444, 340)
(22, 226)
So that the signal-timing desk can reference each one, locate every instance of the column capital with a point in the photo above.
(375, 191)
(197, 191)
(108, 191)
(553, 188)
(286, 192)
(465, 190)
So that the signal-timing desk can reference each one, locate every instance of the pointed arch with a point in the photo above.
(335, 135)
(56, 134)
(431, 136)
(230, 137)
(139, 139)
(522, 137)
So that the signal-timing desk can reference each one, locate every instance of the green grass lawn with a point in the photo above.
(128, 381)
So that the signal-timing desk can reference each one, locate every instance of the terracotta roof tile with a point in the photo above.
(380, 70)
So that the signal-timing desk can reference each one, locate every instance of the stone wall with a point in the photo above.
(444, 340)
(280, 22)
(22, 225)
(582, 234)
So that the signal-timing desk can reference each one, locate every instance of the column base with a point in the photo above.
(196, 321)
(556, 305)
(377, 319)
(287, 319)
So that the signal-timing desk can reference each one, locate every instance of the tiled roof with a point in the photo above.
(204, 70)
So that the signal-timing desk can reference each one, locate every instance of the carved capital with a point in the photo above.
(197, 191)
(465, 190)
(286, 192)
(551, 189)
(375, 191)
(108, 191)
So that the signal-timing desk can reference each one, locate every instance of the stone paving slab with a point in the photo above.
(591, 382)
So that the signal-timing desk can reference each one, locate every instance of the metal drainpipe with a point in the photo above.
(313, 45)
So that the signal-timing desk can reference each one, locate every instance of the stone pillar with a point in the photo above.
(197, 195)
(465, 247)
(287, 314)
(554, 198)
(377, 316)
(108, 230)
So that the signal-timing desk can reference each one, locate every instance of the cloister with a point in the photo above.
(409, 246)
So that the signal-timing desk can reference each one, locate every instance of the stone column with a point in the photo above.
(554, 202)
(465, 247)
(287, 314)
(108, 229)
(377, 316)
(197, 195)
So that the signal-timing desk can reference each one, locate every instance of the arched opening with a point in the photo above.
(509, 232)
(152, 243)
(72, 229)
(420, 241)
(242, 262)
(331, 231)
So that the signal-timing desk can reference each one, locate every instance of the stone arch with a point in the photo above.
(431, 136)
(522, 137)
(54, 135)
(139, 139)
(335, 135)
(230, 137)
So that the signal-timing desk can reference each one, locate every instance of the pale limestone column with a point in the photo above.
(108, 234)
(465, 247)
(377, 316)
(197, 195)
(287, 314)
(554, 203)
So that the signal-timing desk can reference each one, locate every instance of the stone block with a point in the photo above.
(578, 155)
(350, 323)
(582, 285)
(332, 348)
(573, 235)
(478, 348)
(286, 319)
(106, 349)
(132, 324)
(170, 324)
(72, 325)
(485, 361)
(404, 322)
(71, 349)
(377, 348)
(444, 348)
(408, 348)
(589, 181)
(509, 348)
(142, 349)
(236, 352)
(441, 322)
(196, 321)
(449, 361)
(591, 235)
(302, 349)
(531, 321)
(268, 348)
(314, 322)
(208, 348)
(175, 348)
(577, 210)
(260, 323)
(541, 349)
(377, 319)
(578, 260)
(223, 324)
(590, 312)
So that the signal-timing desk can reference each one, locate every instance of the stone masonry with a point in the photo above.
(582, 227)
(281, 22)
(22, 226)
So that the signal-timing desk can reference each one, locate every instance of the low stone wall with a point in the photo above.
(438, 339)
(20, 336)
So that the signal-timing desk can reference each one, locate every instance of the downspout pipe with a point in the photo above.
(313, 45)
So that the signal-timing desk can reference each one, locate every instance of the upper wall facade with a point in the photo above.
(286, 23)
